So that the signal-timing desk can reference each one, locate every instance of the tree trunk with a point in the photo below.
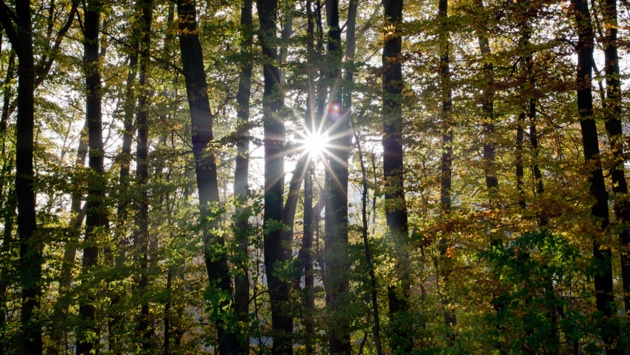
(487, 107)
(241, 173)
(336, 222)
(141, 234)
(602, 256)
(206, 170)
(447, 158)
(30, 249)
(305, 256)
(7, 199)
(395, 205)
(70, 250)
(277, 250)
(616, 139)
(96, 217)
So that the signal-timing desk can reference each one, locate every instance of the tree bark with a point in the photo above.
(616, 138)
(447, 156)
(305, 256)
(205, 169)
(336, 220)
(241, 173)
(31, 259)
(96, 217)
(603, 277)
(393, 168)
(141, 234)
(277, 250)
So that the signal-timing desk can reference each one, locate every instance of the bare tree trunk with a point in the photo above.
(447, 160)
(8, 200)
(30, 249)
(393, 168)
(241, 173)
(616, 138)
(70, 250)
(336, 222)
(206, 170)
(305, 257)
(96, 216)
(141, 234)
(277, 249)
(603, 277)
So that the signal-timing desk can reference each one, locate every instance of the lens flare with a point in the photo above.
(314, 144)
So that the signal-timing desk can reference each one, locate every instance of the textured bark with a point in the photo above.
(277, 250)
(205, 168)
(603, 277)
(616, 138)
(96, 217)
(141, 233)
(395, 204)
(241, 171)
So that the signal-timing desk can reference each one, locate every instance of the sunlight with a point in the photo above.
(314, 144)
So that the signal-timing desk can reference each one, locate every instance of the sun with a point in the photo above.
(314, 144)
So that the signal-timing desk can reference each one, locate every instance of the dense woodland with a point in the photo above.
(314, 177)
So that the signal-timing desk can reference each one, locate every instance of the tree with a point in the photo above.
(141, 235)
(206, 172)
(18, 27)
(96, 221)
(393, 168)
(602, 255)
(277, 249)
(336, 223)
(241, 169)
(613, 105)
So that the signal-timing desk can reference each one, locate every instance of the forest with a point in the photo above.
(314, 177)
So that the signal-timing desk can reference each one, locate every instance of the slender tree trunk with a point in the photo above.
(124, 199)
(206, 170)
(368, 252)
(487, 107)
(306, 252)
(70, 250)
(529, 90)
(531, 100)
(602, 255)
(391, 106)
(395, 205)
(8, 218)
(30, 248)
(96, 217)
(336, 222)
(277, 250)
(8, 200)
(6, 99)
(447, 157)
(241, 173)
(616, 139)
(141, 234)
